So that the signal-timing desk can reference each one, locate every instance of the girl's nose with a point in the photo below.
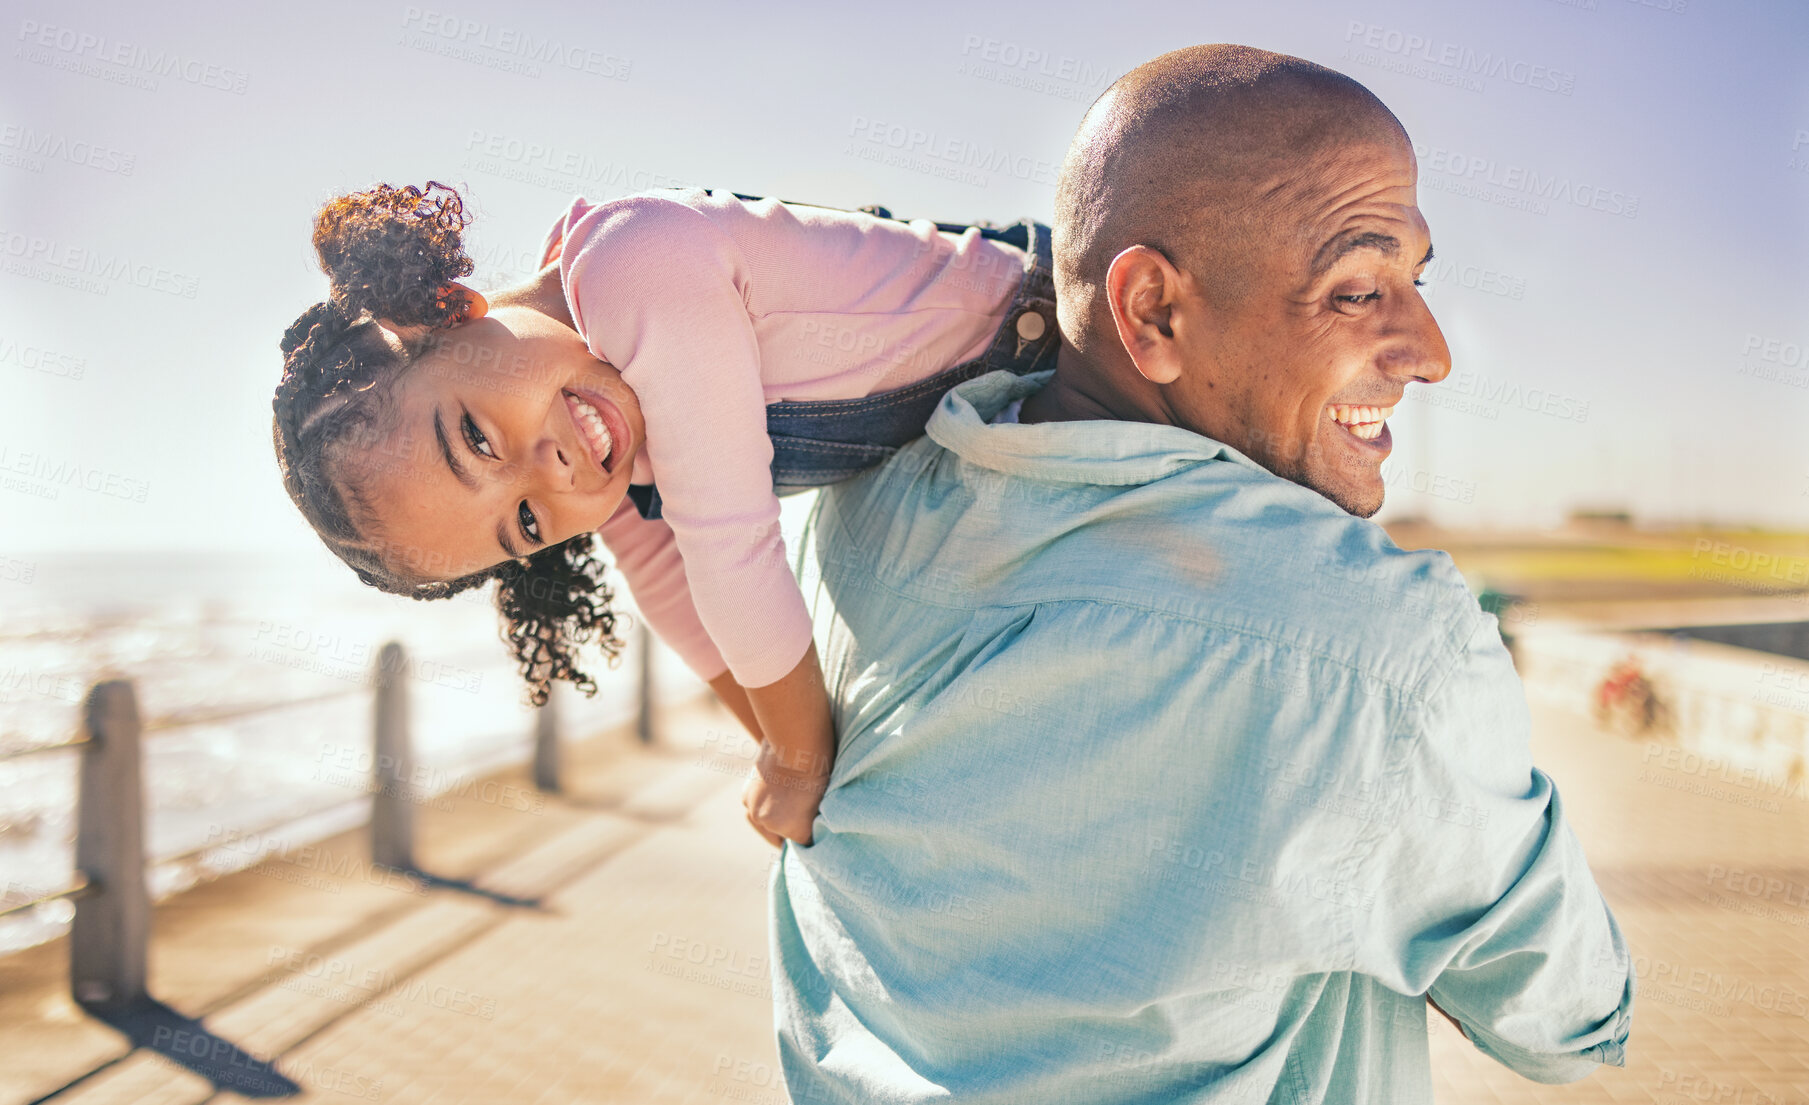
(554, 466)
(546, 468)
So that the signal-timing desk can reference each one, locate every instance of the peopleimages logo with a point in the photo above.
(1032, 68)
(1474, 392)
(1458, 58)
(548, 166)
(944, 155)
(118, 61)
(87, 269)
(29, 148)
(46, 477)
(507, 48)
(1516, 185)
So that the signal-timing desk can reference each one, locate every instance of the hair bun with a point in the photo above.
(321, 324)
(390, 250)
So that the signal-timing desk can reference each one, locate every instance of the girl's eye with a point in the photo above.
(530, 528)
(475, 438)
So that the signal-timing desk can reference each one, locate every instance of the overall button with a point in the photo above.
(1031, 326)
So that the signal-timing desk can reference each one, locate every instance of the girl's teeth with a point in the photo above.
(592, 421)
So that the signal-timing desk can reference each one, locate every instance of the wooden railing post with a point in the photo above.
(644, 718)
(546, 742)
(392, 806)
(109, 942)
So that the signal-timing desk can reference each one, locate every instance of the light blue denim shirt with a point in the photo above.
(1163, 779)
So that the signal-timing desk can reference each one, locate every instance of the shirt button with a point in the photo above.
(1031, 326)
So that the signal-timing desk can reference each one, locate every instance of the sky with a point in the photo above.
(1618, 192)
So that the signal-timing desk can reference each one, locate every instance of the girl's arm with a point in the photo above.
(734, 696)
(791, 771)
(646, 554)
(795, 768)
(663, 292)
(794, 717)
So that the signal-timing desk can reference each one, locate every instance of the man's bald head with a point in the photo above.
(1193, 154)
(1238, 252)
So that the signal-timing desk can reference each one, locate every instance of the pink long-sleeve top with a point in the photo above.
(711, 307)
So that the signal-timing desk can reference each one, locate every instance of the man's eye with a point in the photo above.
(1418, 283)
(529, 527)
(475, 438)
(1365, 298)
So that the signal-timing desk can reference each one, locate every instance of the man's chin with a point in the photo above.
(1358, 490)
(1362, 499)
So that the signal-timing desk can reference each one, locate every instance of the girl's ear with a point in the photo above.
(470, 302)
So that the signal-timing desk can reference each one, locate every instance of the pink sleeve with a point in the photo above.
(648, 559)
(658, 292)
(554, 244)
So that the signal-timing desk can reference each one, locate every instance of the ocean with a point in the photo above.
(210, 640)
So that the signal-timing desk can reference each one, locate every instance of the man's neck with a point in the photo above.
(1081, 390)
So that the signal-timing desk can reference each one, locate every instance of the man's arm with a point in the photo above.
(1483, 895)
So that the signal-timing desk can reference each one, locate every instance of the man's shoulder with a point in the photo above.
(1224, 545)
(1240, 549)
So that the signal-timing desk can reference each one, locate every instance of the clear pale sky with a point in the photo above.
(1618, 192)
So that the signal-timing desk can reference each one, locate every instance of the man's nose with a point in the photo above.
(1421, 354)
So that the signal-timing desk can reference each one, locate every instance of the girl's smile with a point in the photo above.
(601, 424)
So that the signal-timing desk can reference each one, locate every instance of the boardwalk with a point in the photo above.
(612, 947)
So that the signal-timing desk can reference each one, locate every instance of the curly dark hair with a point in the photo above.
(390, 254)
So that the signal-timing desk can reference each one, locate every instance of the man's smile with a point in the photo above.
(1366, 424)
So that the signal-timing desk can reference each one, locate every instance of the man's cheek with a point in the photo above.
(1282, 451)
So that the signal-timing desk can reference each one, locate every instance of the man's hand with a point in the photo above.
(781, 800)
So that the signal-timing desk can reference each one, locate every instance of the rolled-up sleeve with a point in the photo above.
(1483, 896)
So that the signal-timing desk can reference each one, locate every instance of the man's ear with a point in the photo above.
(1143, 290)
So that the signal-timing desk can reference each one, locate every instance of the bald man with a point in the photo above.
(1164, 775)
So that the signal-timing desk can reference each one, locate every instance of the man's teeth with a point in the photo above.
(1363, 422)
(592, 424)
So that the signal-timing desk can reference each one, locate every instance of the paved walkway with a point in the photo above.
(1707, 871)
(613, 948)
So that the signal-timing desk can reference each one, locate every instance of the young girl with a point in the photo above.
(681, 357)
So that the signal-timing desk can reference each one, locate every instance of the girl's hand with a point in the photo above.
(782, 800)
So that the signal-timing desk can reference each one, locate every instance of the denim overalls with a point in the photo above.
(823, 441)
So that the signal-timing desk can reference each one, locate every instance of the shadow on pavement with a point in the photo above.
(188, 1043)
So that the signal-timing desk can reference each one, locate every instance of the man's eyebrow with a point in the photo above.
(1334, 250)
(464, 477)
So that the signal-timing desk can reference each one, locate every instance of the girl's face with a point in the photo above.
(511, 436)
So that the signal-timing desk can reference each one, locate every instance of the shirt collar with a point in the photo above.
(1097, 451)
